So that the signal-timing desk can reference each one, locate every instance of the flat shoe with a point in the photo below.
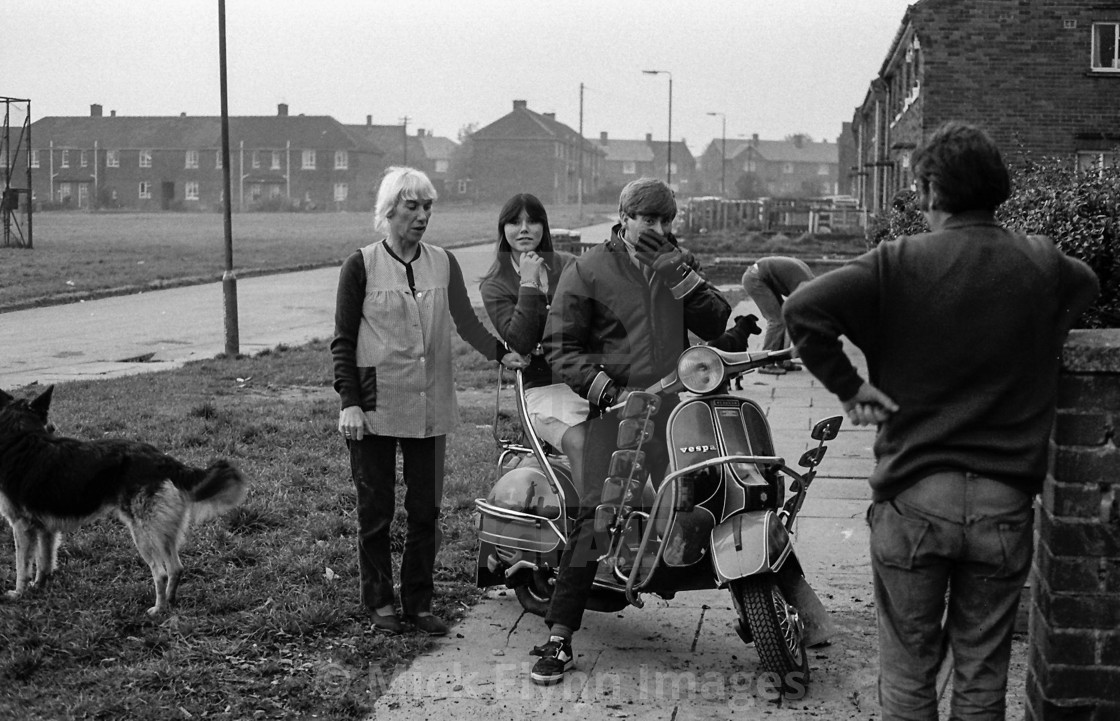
(389, 623)
(431, 625)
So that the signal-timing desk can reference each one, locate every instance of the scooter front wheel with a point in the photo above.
(777, 629)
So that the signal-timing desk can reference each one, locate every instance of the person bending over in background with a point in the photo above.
(768, 282)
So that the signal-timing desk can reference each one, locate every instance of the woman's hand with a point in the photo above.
(514, 361)
(531, 267)
(352, 423)
(869, 405)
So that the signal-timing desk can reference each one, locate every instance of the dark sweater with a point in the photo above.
(963, 328)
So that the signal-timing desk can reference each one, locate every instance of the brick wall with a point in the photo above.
(1074, 666)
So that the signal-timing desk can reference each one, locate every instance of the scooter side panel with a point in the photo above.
(740, 546)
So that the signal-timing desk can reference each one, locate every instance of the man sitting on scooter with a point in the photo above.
(618, 322)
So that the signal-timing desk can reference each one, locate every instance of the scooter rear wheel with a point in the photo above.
(777, 629)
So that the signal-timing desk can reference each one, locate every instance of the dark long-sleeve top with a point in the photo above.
(519, 312)
(609, 324)
(963, 328)
(392, 342)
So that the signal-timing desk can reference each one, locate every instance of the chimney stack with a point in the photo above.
(602, 137)
(95, 111)
(282, 110)
(649, 137)
(369, 120)
(520, 105)
(754, 139)
(112, 113)
(419, 132)
(550, 116)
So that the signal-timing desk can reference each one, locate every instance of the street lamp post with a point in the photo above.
(723, 155)
(669, 140)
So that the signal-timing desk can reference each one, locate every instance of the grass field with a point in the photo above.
(80, 255)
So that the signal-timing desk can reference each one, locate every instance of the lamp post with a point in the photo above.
(722, 155)
(669, 140)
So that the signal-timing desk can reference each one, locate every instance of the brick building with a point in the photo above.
(793, 168)
(174, 163)
(1042, 75)
(529, 152)
(422, 150)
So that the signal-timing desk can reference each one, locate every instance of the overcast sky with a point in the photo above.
(774, 67)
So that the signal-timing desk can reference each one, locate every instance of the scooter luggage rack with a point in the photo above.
(632, 585)
(537, 450)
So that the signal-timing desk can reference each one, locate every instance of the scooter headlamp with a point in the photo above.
(700, 369)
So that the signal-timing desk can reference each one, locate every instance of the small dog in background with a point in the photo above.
(50, 484)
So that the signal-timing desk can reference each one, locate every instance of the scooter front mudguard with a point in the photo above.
(748, 544)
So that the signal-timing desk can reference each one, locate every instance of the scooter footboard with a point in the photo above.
(749, 543)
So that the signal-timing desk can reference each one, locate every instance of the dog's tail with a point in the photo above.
(217, 489)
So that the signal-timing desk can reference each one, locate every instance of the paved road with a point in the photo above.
(163, 329)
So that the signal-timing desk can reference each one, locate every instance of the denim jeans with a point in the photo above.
(580, 559)
(770, 306)
(373, 464)
(962, 538)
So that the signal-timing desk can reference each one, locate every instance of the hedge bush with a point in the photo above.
(1078, 208)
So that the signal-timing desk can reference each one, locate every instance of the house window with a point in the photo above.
(256, 159)
(308, 160)
(275, 159)
(340, 192)
(1094, 161)
(274, 191)
(673, 169)
(145, 189)
(822, 169)
(82, 160)
(441, 166)
(145, 158)
(1106, 46)
(218, 160)
(112, 158)
(192, 159)
(64, 192)
(787, 168)
(255, 191)
(190, 191)
(66, 158)
(629, 167)
(462, 187)
(341, 162)
(34, 158)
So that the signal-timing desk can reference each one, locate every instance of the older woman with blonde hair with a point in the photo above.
(397, 300)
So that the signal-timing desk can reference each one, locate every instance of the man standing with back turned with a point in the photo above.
(962, 329)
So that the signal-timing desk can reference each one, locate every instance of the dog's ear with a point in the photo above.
(42, 402)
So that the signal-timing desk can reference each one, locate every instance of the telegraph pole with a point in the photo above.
(229, 278)
(579, 185)
(404, 140)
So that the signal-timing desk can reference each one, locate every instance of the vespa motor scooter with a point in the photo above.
(721, 518)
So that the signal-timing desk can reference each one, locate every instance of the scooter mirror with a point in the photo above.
(627, 464)
(633, 432)
(639, 403)
(827, 429)
(812, 457)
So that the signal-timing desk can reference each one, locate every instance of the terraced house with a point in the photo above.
(175, 163)
(1042, 76)
(796, 167)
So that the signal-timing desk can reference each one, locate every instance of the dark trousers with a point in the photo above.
(580, 559)
(373, 462)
